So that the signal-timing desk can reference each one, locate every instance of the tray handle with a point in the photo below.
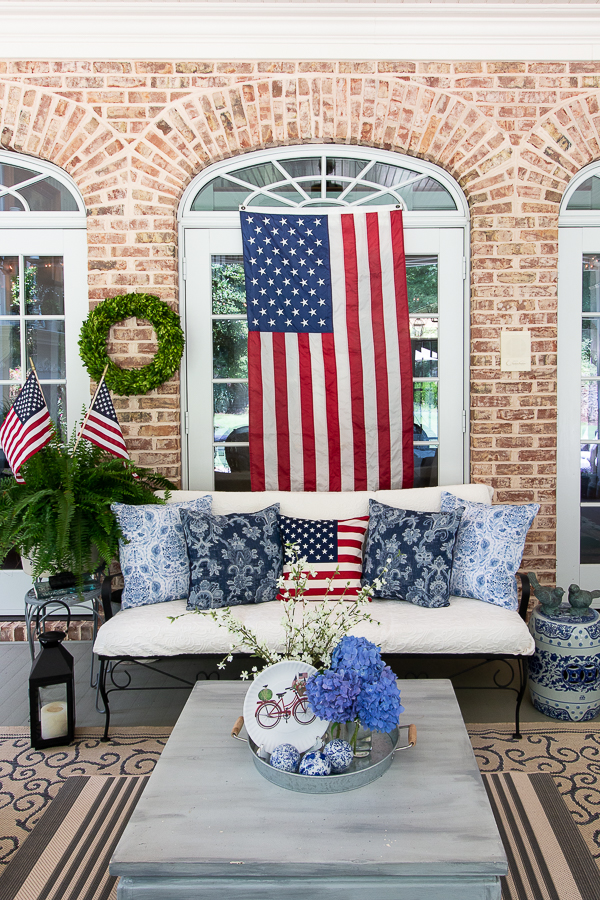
(239, 724)
(412, 739)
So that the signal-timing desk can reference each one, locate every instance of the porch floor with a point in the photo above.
(162, 708)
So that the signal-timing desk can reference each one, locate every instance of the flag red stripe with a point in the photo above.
(306, 409)
(255, 405)
(333, 413)
(104, 445)
(403, 321)
(7, 429)
(31, 449)
(19, 441)
(354, 353)
(281, 411)
(381, 368)
(99, 435)
(99, 421)
(30, 437)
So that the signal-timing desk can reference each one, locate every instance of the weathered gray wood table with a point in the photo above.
(209, 827)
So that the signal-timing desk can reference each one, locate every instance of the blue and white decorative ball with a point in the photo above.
(285, 757)
(315, 764)
(340, 755)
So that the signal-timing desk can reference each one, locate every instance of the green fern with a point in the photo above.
(60, 517)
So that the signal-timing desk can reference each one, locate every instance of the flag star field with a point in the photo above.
(287, 258)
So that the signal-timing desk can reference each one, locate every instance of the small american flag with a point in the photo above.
(329, 355)
(101, 426)
(329, 544)
(27, 427)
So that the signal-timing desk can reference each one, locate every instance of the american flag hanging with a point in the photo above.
(329, 355)
(101, 426)
(27, 427)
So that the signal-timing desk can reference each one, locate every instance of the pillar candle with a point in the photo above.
(54, 720)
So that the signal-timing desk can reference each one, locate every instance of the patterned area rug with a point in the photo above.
(570, 753)
(568, 756)
(67, 856)
(30, 779)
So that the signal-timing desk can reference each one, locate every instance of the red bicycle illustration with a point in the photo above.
(269, 712)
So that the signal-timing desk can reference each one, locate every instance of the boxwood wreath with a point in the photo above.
(94, 335)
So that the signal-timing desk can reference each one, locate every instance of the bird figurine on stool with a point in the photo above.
(549, 598)
(580, 600)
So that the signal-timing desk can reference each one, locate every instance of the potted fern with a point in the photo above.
(60, 517)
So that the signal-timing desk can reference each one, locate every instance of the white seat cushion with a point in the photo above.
(466, 626)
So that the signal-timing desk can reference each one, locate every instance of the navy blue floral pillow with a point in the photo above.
(234, 559)
(420, 547)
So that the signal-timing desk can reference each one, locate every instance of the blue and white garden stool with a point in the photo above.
(564, 671)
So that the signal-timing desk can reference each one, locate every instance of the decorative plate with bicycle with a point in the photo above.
(276, 709)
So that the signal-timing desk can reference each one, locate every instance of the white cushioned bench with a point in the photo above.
(465, 628)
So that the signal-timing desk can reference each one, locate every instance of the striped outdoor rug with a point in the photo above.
(66, 857)
(548, 858)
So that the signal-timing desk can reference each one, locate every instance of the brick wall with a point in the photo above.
(133, 134)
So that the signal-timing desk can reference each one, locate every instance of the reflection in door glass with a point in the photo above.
(9, 286)
(230, 361)
(590, 535)
(589, 406)
(44, 286)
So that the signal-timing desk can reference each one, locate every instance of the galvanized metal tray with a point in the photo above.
(362, 771)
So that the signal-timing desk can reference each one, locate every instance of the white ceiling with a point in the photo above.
(300, 29)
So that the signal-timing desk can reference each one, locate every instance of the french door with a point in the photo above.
(43, 303)
(578, 473)
(215, 373)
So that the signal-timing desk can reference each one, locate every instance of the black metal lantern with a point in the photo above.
(52, 693)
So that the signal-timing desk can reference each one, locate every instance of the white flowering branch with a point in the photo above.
(312, 629)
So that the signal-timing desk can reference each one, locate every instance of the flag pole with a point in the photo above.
(87, 415)
(33, 369)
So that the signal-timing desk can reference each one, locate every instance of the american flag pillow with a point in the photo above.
(329, 544)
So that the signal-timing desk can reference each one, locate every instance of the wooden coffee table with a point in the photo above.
(209, 827)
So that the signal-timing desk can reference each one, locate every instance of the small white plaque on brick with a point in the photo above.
(515, 351)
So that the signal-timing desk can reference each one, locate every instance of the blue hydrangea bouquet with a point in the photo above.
(358, 689)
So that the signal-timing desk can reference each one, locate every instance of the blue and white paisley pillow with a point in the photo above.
(155, 563)
(234, 559)
(489, 549)
(419, 546)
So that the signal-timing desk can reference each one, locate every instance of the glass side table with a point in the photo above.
(39, 609)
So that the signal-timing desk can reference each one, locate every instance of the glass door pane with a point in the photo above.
(422, 286)
(230, 374)
(589, 538)
(32, 330)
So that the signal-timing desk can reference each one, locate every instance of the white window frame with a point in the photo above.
(193, 270)
(51, 234)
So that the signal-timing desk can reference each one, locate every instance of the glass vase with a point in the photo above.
(359, 738)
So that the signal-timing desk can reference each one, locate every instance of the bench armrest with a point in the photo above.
(525, 595)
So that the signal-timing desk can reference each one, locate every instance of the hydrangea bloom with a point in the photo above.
(333, 695)
(378, 705)
(360, 656)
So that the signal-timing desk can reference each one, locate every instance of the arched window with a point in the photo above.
(43, 295)
(43, 301)
(215, 372)
(578, 473)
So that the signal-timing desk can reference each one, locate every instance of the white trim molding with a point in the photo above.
(298, 30)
